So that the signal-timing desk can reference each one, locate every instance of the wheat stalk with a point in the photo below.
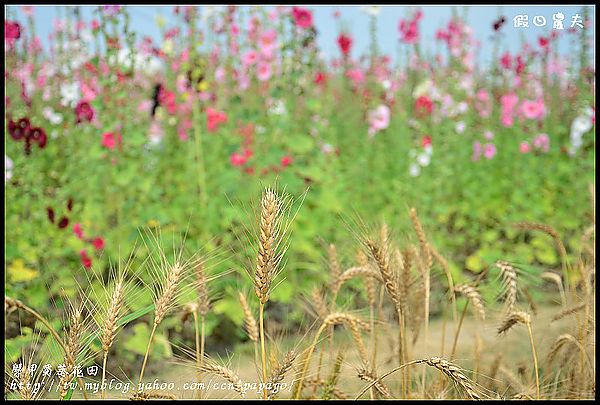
(509, 279)
(225, 373)
(73, 345)
(369, 377)
(278, 373)
(474, 297)
(249, 320)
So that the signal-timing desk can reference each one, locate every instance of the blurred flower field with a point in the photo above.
(109, 135)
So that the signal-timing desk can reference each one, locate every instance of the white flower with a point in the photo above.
(69, 94)
(460, 127)
(428, 149)
(278, 108)
(414, 170)
(54, 117)
(8, 166)
(423, 159)
(386, 84)
(580, 126)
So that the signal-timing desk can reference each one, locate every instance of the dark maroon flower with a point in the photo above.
(70, 204)
(50, 214)
(63, 223)
(499, 23)
(84, 111)
(20, 129)
(39, 135)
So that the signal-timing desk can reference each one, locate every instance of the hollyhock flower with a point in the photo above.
(263, 71)
(84, 112)
(423, 106)
(414, 169)
(506, 60)
(86, 261)
(39, 136)
(423, 159)
(303, 17)
(460, 127)
(489, 135)
(356, 75)
(345, 43)
(27, 10)
(580, 125)
(508, 102)
(110, 140)
(286, 161)
(168, 99)
(533, 109)
(379, 119)
(69, 94)
(476, 151)
(214, 118)
(542, 141)
(524, 147)
(237, 159)
(8, 166)
(426, 141)
(489, 150)
(78, 230)
(409, 31)
(220, 74)
(98, 243)
(483, 103)
(250, 58)
(12, 32)
(320, 78)
(268, 41)
(63, 223)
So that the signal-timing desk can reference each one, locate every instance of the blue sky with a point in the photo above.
(479, 17)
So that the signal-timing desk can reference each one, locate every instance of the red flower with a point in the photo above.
(237, 159)
(543, 42)
(85, 259)
(12, 32)
(286, 161)
(214, 118)
(98, 243)
(109, 140)
(167, 98)
(426, 141)
(345, 43)
(506, 60)
(423, 106)
(320, 78)
(303, 17)
(84, 111)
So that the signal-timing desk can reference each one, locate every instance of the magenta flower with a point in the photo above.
(533, 110)
(84, 112)
(78, 230)
(303, 17)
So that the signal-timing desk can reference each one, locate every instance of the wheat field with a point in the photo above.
(389, 348)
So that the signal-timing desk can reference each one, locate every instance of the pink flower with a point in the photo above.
(345, 43)
(109, 140)
(78, 230)
(379, 119)
(237, 159)
(542, 141)
(268, 41)
(524, 147)
(533, 109)
(303, 17)
(263, 71)
(286, 161)
(250, 58)
(12, 32)
(409, 30)
(489, 150)
(214, 118)
(98, 243)
(86, 261)
(356, 75)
